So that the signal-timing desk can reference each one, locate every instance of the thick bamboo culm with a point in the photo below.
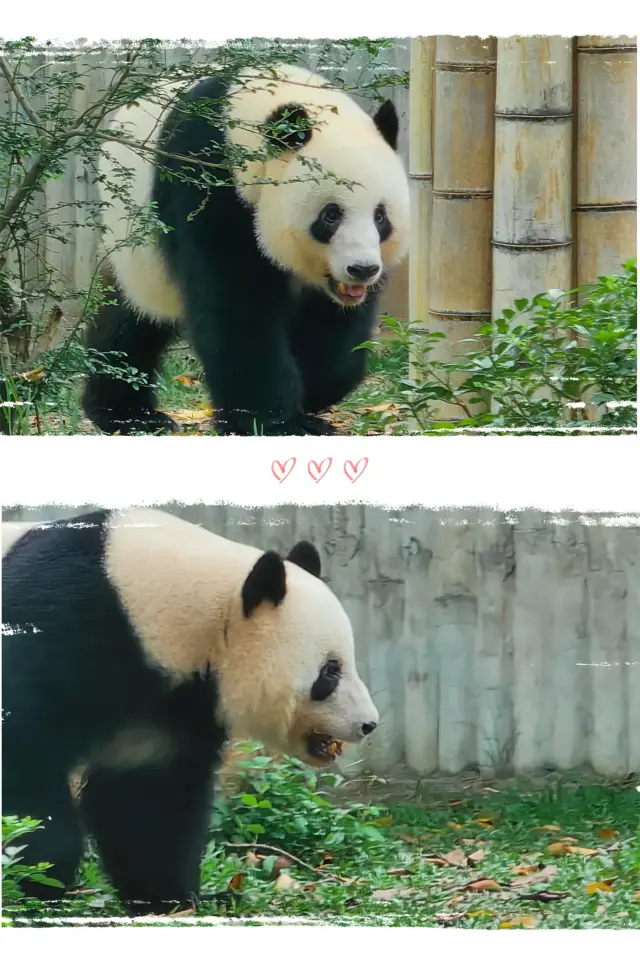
(606, 155)
(420, 176)
(532, 236)
(463, 145)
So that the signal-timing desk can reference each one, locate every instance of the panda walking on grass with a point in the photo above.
(134, 643)
(275, 281)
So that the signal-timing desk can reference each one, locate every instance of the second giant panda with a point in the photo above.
(134, 644)
(275, 280)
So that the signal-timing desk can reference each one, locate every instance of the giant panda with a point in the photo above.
(273, 283)
(134, 644)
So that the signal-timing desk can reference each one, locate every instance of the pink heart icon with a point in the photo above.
(282, 470)
(355, 470)
(318, 470)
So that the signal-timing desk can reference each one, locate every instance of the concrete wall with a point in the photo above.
(487, 641)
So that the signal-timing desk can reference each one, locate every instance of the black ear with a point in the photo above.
(305, 555)
(267, 581)
(386, 120)
(288, 127)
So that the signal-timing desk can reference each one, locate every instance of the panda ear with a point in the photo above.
(386, 120)
(288, 127)
(305, 555)
(266, 581)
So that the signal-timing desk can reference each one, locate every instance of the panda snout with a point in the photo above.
(368, 728)
(363, 272)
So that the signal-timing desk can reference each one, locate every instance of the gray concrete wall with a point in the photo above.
(487, 641)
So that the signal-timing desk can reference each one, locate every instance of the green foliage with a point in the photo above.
(14, 871)
(282, 803)
(531, 369)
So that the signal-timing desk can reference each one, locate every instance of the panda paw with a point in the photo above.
(305, 424)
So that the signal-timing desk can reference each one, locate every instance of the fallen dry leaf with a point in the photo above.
(636, 897)
(523, 869)
(454, 826)
(406, 838)
(548, 826)
(559, 849)
(280, 864)
(391, 893)
(236, 882)
(186, 380)
(455, 803)
(457, 858)
(527, 922)
(436, 861)
(484, 886)
(608, 834)
(189, 912)
(448, 918)
(476, 856)
(398, 872)
(525, 881)
(286, 882)
(383, 821)
(599, 886)
(252, 859)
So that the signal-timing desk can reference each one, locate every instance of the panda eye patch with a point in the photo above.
(382, 223)
(332, 213)
(327, 680)
(327, 222)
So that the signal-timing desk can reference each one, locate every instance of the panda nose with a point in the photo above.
(368, 728)
(362, 271)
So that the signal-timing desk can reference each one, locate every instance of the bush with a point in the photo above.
(282, 803)
(532, 368)
(14, 872)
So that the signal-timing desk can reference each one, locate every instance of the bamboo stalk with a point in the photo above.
(460, 255)
(421, 181)
(606, 188)
(532, 236)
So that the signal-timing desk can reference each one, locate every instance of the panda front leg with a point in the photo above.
(324, 341)
(253, 379)
(150, 828)
(112, 403)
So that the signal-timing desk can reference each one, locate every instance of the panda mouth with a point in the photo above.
(322, 747)
(350, 294)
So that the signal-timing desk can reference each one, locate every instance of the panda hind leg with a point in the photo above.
(60, 840)
(111, 402)
(150, 828)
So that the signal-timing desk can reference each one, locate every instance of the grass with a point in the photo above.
(561, 855)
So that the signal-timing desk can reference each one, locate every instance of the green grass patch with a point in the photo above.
(290, 843)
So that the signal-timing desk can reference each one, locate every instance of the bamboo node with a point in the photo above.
(534, 245)
(537, 116)
(608, 207)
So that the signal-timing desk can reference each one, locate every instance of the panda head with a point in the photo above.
(287, 674)
(334, 211)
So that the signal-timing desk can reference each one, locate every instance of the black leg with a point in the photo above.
(111, 403)
(238, 330)
(150, 827)
(323, 337)
(59, 842)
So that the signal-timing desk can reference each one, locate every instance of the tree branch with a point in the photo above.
(20, 97)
